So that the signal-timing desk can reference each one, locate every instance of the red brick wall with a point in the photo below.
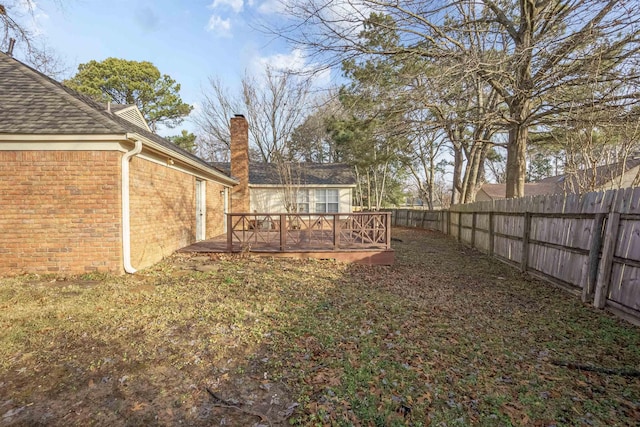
(163, 206)
(215, 209)
(60, 212)
(240, 164)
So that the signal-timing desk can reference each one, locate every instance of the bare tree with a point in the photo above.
(212, 119)
(16, 18)
(274, 105)
(535, 51)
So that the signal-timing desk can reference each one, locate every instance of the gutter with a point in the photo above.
(126, 222)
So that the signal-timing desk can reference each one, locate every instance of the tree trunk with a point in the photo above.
(516, 160)
(457, 174)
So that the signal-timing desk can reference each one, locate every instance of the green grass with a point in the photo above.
(444, 337)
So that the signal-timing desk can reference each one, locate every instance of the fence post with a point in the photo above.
(606, 263)
(459, 226)
(525, 241)
(283, 232)
(229, 232)
(473, 230)
(594, 257)
(491, 231)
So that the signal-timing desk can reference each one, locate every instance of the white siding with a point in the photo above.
(271, 200)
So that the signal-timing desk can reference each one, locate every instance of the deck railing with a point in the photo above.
(284, 232)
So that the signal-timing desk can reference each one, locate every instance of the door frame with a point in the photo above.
(201, 209)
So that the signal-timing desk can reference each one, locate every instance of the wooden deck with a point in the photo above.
(360, 237)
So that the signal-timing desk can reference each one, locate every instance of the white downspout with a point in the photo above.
(126, 223)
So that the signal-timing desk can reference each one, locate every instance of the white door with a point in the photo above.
(200, 210)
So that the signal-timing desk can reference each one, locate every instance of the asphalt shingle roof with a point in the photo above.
(32, 103)
(597, 176)
(302, 173)
(499, 191)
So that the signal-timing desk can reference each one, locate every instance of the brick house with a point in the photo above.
(87, 187)
(285, 187)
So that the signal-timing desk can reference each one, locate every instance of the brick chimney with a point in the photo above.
(240, 164)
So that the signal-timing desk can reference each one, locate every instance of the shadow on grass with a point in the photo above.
(446, 336)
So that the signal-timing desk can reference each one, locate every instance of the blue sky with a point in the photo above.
(190, 40)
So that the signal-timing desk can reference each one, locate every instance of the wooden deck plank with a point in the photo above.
(359, 255)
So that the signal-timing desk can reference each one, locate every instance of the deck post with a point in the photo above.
(229, 232)
(388, 230)
(336, 231)
(283, 232)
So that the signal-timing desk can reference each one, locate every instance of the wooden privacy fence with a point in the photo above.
(295, 232)
(589, 243)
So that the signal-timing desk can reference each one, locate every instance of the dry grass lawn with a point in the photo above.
(446, 337)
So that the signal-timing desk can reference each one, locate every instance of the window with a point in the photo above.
(327, 200)
(302, 201)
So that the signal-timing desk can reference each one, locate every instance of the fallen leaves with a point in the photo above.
(444, 337)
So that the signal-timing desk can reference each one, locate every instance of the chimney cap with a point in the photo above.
(239, 116)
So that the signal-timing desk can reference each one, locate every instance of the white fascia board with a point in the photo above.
(206, 172)
(114, 142)
(31, 142)
(272, 186)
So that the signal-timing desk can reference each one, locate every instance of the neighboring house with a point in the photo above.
(607, 177)
(287, 187)
(85, 187)
(499, 191)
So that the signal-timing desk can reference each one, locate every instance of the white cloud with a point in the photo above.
(269, 7)
(283, 61)
(235, 5)
(296, 62)
(31, 15)
(219, 26)
(25, 6)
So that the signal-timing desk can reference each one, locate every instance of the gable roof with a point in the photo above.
(338, 174)
(568, 183)
(130, 113)
(593, 177)
(32, 103)
(499, 191)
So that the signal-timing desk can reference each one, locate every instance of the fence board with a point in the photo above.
(568, 239)
(625, 286)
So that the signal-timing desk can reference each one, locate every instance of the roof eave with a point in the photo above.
(215, 173)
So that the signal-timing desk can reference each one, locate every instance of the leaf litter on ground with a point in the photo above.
(445, 337)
